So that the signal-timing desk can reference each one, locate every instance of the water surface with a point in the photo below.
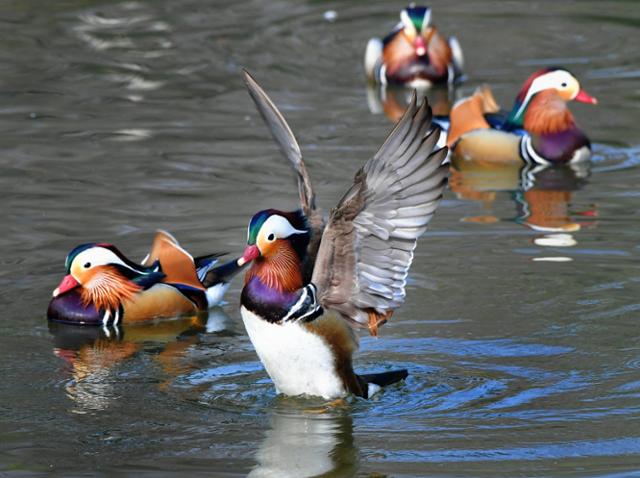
(520, 330)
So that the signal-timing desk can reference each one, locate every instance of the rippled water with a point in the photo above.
(521, 327)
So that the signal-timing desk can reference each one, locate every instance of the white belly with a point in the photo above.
(298, 361)
(419, 84)
(581, 155)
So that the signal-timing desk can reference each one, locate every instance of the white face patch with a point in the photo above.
(96, 256)
(407, 23)
(277, 227)
(560, 80)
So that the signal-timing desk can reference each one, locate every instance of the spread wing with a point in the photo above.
(367, 245)
(287, 143)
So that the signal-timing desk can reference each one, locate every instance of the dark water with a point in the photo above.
(521, 326)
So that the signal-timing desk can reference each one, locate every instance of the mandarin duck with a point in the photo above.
(312, 282)
(539, 129)
(414, 54)
(103, 287)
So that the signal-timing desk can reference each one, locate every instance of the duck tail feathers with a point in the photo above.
(212, 276)
(382, 379)
(207, 261)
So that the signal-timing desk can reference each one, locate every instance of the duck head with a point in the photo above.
(276, 245)
(548, 89)
(416, 28)
(101, 276)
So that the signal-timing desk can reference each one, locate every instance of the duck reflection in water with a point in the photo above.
(542, 194)
(393, 101)
(304, 443)
(94, 354)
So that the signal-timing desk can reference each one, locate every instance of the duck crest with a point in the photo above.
(297, 219)
(516, 117)
(420, 17)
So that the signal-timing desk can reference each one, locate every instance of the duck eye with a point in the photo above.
(87, 265)
(564, 85)
(271, 237)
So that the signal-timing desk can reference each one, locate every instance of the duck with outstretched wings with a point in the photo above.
(312, 282)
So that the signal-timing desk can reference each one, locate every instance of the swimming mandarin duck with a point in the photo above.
(103, 287)
(312, 282)
(414, 53)
(539, 129)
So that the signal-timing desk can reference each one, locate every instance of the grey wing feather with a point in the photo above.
(288, 144)
(367, 246)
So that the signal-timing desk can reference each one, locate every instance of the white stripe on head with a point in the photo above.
(98, 256)
(279, 226)
(406, 21)
(556, 79)
(426, 20)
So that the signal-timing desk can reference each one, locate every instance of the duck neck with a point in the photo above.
(108, 290)
(272, 283)
(547, 113)
(281, 271)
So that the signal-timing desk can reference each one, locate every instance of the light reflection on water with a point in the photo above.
(119, 118)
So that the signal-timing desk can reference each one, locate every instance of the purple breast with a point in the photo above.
(268, 303)
(259, 292)
(68, 309)
(560, 147)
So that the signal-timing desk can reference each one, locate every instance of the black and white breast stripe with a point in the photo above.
(381, 72)
(306, 308)
(528, 153)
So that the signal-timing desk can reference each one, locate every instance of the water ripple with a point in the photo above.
(463, 348)
(610, 158)
(549, 451)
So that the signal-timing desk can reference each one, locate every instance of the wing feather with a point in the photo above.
(288, 144)
(367, 245)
